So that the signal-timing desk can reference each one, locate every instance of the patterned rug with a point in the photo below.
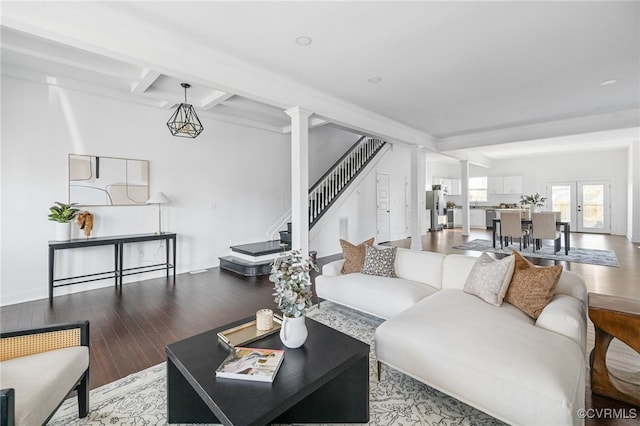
(580, 255)
(140, 399)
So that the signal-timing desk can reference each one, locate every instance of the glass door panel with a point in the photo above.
(585, 204)
(593, 207)
(561, 200)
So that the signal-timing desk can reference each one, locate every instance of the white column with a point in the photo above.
(299, 179)
(633, 213)
(418, 179)
(464, 173)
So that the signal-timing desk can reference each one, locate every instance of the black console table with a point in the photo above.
(118, 242)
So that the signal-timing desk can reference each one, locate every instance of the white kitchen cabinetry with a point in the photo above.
(504, 184)
(513, 184)
(495, 185)
(457, 218)
(477, 218)
(455, 187)
(449, 186)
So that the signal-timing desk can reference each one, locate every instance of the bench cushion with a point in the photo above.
(42, 380)
(380, 296)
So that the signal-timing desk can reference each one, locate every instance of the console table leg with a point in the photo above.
(51, 261)
(115, 264)
(174, 260)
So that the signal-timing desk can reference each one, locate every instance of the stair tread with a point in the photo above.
(259, 249)
(244, 262)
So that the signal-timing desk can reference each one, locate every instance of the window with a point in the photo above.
(478, 188)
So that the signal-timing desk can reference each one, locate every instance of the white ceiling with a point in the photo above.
(463, 73)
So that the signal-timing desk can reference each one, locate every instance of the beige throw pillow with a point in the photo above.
(531, 287)
(353, 256)
(490, 278)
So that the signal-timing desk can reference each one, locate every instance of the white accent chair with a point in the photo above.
(511, 227)
(544, 228)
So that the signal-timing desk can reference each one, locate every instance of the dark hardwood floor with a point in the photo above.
(130, 328)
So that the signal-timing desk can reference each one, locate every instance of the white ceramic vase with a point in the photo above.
(63, 231)
(293, 331)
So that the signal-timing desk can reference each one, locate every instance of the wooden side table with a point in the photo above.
(619, 318)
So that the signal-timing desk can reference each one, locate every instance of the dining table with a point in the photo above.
(566, 230)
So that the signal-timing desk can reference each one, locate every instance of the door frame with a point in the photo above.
(576, 203)
(383, 209)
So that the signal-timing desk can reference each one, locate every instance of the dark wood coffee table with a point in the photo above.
(324, 381)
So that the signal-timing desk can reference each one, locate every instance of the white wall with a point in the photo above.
(538, 171)
(326, 145)
(227, 186)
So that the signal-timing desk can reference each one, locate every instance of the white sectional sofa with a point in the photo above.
(495, 358)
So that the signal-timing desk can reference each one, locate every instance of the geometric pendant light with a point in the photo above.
(185, 122)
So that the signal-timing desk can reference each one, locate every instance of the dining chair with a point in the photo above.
(543, 227)
(511, 227)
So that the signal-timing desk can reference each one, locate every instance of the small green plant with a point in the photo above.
(62, 213)
(290, 274)
(535, 200)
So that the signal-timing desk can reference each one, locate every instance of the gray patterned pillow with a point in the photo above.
(489, 278)
(380, 262)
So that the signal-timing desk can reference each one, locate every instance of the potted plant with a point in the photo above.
(291, 276)
(534, 200)
(63, 214)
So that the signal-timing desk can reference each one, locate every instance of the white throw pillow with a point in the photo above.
(489, 278)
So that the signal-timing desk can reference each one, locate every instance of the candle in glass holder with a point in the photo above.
(264, 319)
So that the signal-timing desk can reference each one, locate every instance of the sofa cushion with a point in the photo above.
(493, 358)
(532, 286)
(564, 315)
(455, 270)
(379, 261)
(379, 296)
(42, 380)
(353, 255)
(490, 278)
(421, 266)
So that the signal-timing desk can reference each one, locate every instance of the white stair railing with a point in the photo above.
(327, 189)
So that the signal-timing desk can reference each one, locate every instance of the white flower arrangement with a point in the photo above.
(290, 274)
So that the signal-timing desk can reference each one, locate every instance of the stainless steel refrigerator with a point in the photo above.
(436, 203)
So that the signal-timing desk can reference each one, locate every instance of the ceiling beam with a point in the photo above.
(148, 78)
(97, 28)
(215, 98)
(530, 132)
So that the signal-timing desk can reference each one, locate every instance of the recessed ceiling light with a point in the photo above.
(608, 82)
(375, 80)
(303, 40)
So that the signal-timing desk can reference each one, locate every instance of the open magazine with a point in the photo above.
(251, 364)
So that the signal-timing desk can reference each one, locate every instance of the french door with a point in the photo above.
(585, 204)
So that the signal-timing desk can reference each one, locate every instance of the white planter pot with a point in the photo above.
(293, 331)
(63, 231)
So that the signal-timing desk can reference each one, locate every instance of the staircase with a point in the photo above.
(255, 258)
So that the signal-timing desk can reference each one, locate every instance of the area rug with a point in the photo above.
(580, 255)
(140, 399)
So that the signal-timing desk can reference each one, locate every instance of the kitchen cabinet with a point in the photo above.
(513, 185)
(477, 218)
(449, 186)
(455, 187)
(495, 185)
(504, 185)
(457, 218)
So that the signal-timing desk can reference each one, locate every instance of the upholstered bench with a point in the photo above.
(39, 368)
